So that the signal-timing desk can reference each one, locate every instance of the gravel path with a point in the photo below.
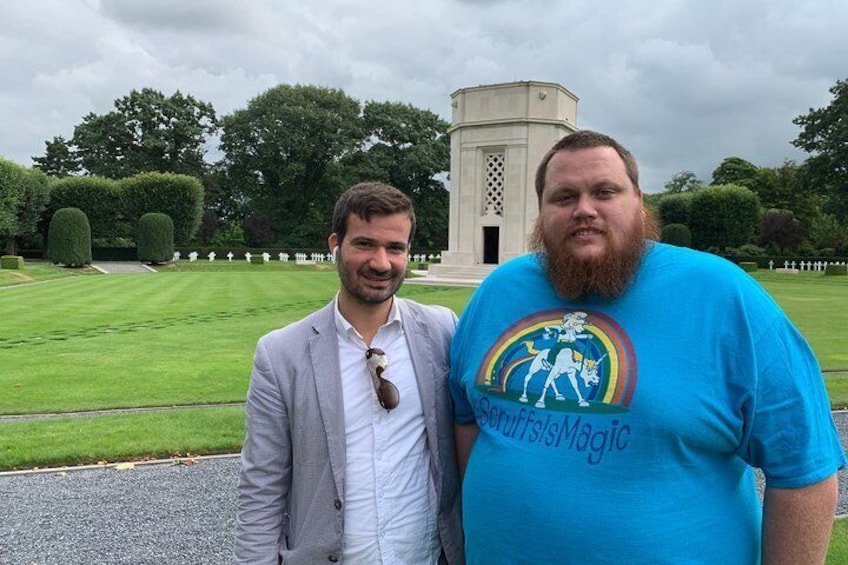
(156, 514)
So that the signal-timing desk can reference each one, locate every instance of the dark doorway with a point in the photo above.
(490, 244)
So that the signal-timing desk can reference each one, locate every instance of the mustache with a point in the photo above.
(378, 275)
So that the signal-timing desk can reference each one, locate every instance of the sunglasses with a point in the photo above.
(387, 393)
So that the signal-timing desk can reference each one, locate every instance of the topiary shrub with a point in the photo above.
(748, 266)
(69, 238)
(155, 238)
(676, 234)
(834, 269)
(11, 262)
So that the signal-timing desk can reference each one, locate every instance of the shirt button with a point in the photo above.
(338, 504)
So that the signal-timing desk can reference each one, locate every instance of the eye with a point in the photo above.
(562, 198)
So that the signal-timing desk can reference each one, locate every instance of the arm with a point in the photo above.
(265, 478)
(465, 435)
(797, 523)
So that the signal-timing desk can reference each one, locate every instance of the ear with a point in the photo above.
(332, 242)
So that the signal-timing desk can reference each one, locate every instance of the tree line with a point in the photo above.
(284, 159)
(792, 209)
(287, 155)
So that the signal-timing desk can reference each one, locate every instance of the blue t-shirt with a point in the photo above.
(625, 431)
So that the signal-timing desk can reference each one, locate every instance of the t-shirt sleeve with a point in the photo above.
(792, 436)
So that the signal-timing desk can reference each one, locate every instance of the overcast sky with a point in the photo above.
(682, 83)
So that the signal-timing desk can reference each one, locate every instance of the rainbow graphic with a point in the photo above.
(600, 344)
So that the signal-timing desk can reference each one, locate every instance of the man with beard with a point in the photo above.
(349, 452)
(686, 374)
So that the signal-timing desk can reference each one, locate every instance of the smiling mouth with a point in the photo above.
(377, 277)
(586, 232)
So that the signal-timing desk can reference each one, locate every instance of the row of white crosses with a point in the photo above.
(806, 265)
(266, 257)
(424, 258)
(300, 258)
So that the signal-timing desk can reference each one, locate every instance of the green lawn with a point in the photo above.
(186, 336)
(837, 553)
(818, 305)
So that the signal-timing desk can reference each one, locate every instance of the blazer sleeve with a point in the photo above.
(266, 460)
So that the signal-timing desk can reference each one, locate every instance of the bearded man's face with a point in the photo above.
(591, 223)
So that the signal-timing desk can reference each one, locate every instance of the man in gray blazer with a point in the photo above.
(349, 452)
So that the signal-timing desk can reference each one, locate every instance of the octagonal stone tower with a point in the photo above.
(499, 134)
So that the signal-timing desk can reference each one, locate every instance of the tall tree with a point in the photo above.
(59, 160)
(824, 134)
(684, 181)
(282, 153)
(409, 148)
(735, 170)
(23, 197)
(784, 187)
(146, 132)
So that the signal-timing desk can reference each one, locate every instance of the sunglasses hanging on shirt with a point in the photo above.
(387, 393)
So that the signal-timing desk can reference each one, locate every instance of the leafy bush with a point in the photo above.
(99, 198)
(747, 250)
(11, 262)
(748, 266)
(675, 209)
(781, 228)
(155, 238)
(723, 216)
(69, 238)
(676, 234)
(178, 196)
(834, 269)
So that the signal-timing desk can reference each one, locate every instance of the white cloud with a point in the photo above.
(683, 83)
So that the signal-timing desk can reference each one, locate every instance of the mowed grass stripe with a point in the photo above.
(123, 437)
(69, 306)
(818, 306)
(181, 362)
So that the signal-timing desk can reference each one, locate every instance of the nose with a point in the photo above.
(380, 259)
(585, 207)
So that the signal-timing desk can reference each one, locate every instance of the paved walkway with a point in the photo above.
(121, 267)
(154, 513)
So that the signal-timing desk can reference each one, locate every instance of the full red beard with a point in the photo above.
(606, 276)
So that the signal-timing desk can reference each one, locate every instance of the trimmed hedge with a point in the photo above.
(69, 238)
(11, 262)
(835, 269)
(676, 234)
(155, 238)
(748, 266)
(178, 196)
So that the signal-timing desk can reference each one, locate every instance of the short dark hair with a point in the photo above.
(368, 199)
(586, 139)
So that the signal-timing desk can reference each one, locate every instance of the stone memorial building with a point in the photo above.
(499, 134)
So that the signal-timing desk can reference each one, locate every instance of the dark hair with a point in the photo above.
(586, 139)
(368, 199)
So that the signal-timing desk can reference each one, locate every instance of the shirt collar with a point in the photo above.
(344, 328)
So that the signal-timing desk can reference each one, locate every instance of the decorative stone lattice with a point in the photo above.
(495, 167)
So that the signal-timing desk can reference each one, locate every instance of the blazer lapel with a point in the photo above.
(324, 352)
(421, 351)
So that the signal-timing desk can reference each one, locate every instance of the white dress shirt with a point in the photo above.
(389, 506)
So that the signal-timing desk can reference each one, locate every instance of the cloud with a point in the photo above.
(683, 83)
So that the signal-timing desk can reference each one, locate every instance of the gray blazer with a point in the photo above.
(291, 488)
